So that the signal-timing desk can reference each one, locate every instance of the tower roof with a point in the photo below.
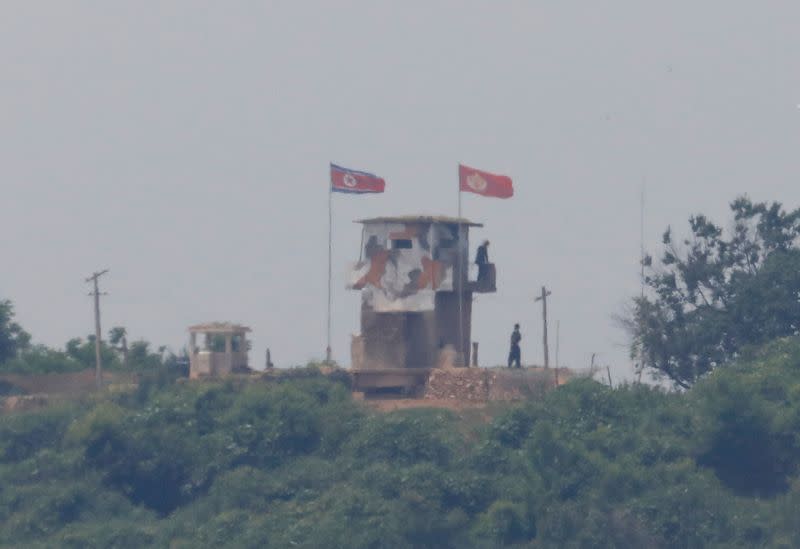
(219, 328)
(420, 219)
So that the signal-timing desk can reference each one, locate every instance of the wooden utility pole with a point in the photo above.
(97, 333)
(543, 299)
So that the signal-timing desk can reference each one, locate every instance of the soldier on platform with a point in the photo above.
(482, 260)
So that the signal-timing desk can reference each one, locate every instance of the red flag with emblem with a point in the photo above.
(484, 183)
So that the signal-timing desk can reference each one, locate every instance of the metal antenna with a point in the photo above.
(558, 344)
(558, 340)
(641, 263)
(97, 333)
(641, 232)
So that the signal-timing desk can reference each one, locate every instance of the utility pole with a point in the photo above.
(97, 333)
(543, 299)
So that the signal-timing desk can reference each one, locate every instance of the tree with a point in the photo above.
(83, 351)
(718, 292)
(13, 338)
(118, 338)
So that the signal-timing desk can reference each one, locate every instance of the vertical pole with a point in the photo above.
(330, 263)
(97, 335)
(544, 333)
(558, 343)
(98, 358)
(558, 339)
(461, 276)
(641, 262)
(641, 237)
(543, 299)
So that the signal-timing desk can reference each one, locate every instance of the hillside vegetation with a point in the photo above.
(299, 464)
(295, 462)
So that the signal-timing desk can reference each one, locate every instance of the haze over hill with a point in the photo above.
(185, 146)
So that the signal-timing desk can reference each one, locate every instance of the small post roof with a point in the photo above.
(420, 219)
(219, 328)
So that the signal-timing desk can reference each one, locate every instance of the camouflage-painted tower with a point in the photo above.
(416, 292)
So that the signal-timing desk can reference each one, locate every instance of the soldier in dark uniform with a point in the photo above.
(515, 355)
(482, 260)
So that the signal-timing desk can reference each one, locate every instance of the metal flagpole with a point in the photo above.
(461, 276)
(330, 260)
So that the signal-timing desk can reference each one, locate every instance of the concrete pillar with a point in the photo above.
(228, 360)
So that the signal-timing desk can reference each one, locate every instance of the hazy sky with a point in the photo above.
(185, 146)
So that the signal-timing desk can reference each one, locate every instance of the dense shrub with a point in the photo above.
(298, 463)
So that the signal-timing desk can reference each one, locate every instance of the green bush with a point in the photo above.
(298, 463)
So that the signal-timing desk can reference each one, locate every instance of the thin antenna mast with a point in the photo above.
(641, 265)
(558, 342)
(558, 339)
(641, 232)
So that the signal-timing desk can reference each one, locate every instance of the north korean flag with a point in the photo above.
(484, 183)
(344, 180)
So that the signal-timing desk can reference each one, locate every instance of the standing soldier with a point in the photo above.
(482, 259)
(514, 355)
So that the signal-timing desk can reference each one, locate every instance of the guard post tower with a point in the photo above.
(416, 298)
(223, 351)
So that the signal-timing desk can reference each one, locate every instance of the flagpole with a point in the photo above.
(330, 261)
(461, 276)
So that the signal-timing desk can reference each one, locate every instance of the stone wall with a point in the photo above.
(486, 384)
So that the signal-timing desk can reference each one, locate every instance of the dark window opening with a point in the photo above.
(402, 244)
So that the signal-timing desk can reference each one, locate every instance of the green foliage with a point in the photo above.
(717, 293)
(749, 420)
(13, 338)
(408, 437)
(505, 523)
(39, 359)
(153, 368)
(23, 435)
(298, 463)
